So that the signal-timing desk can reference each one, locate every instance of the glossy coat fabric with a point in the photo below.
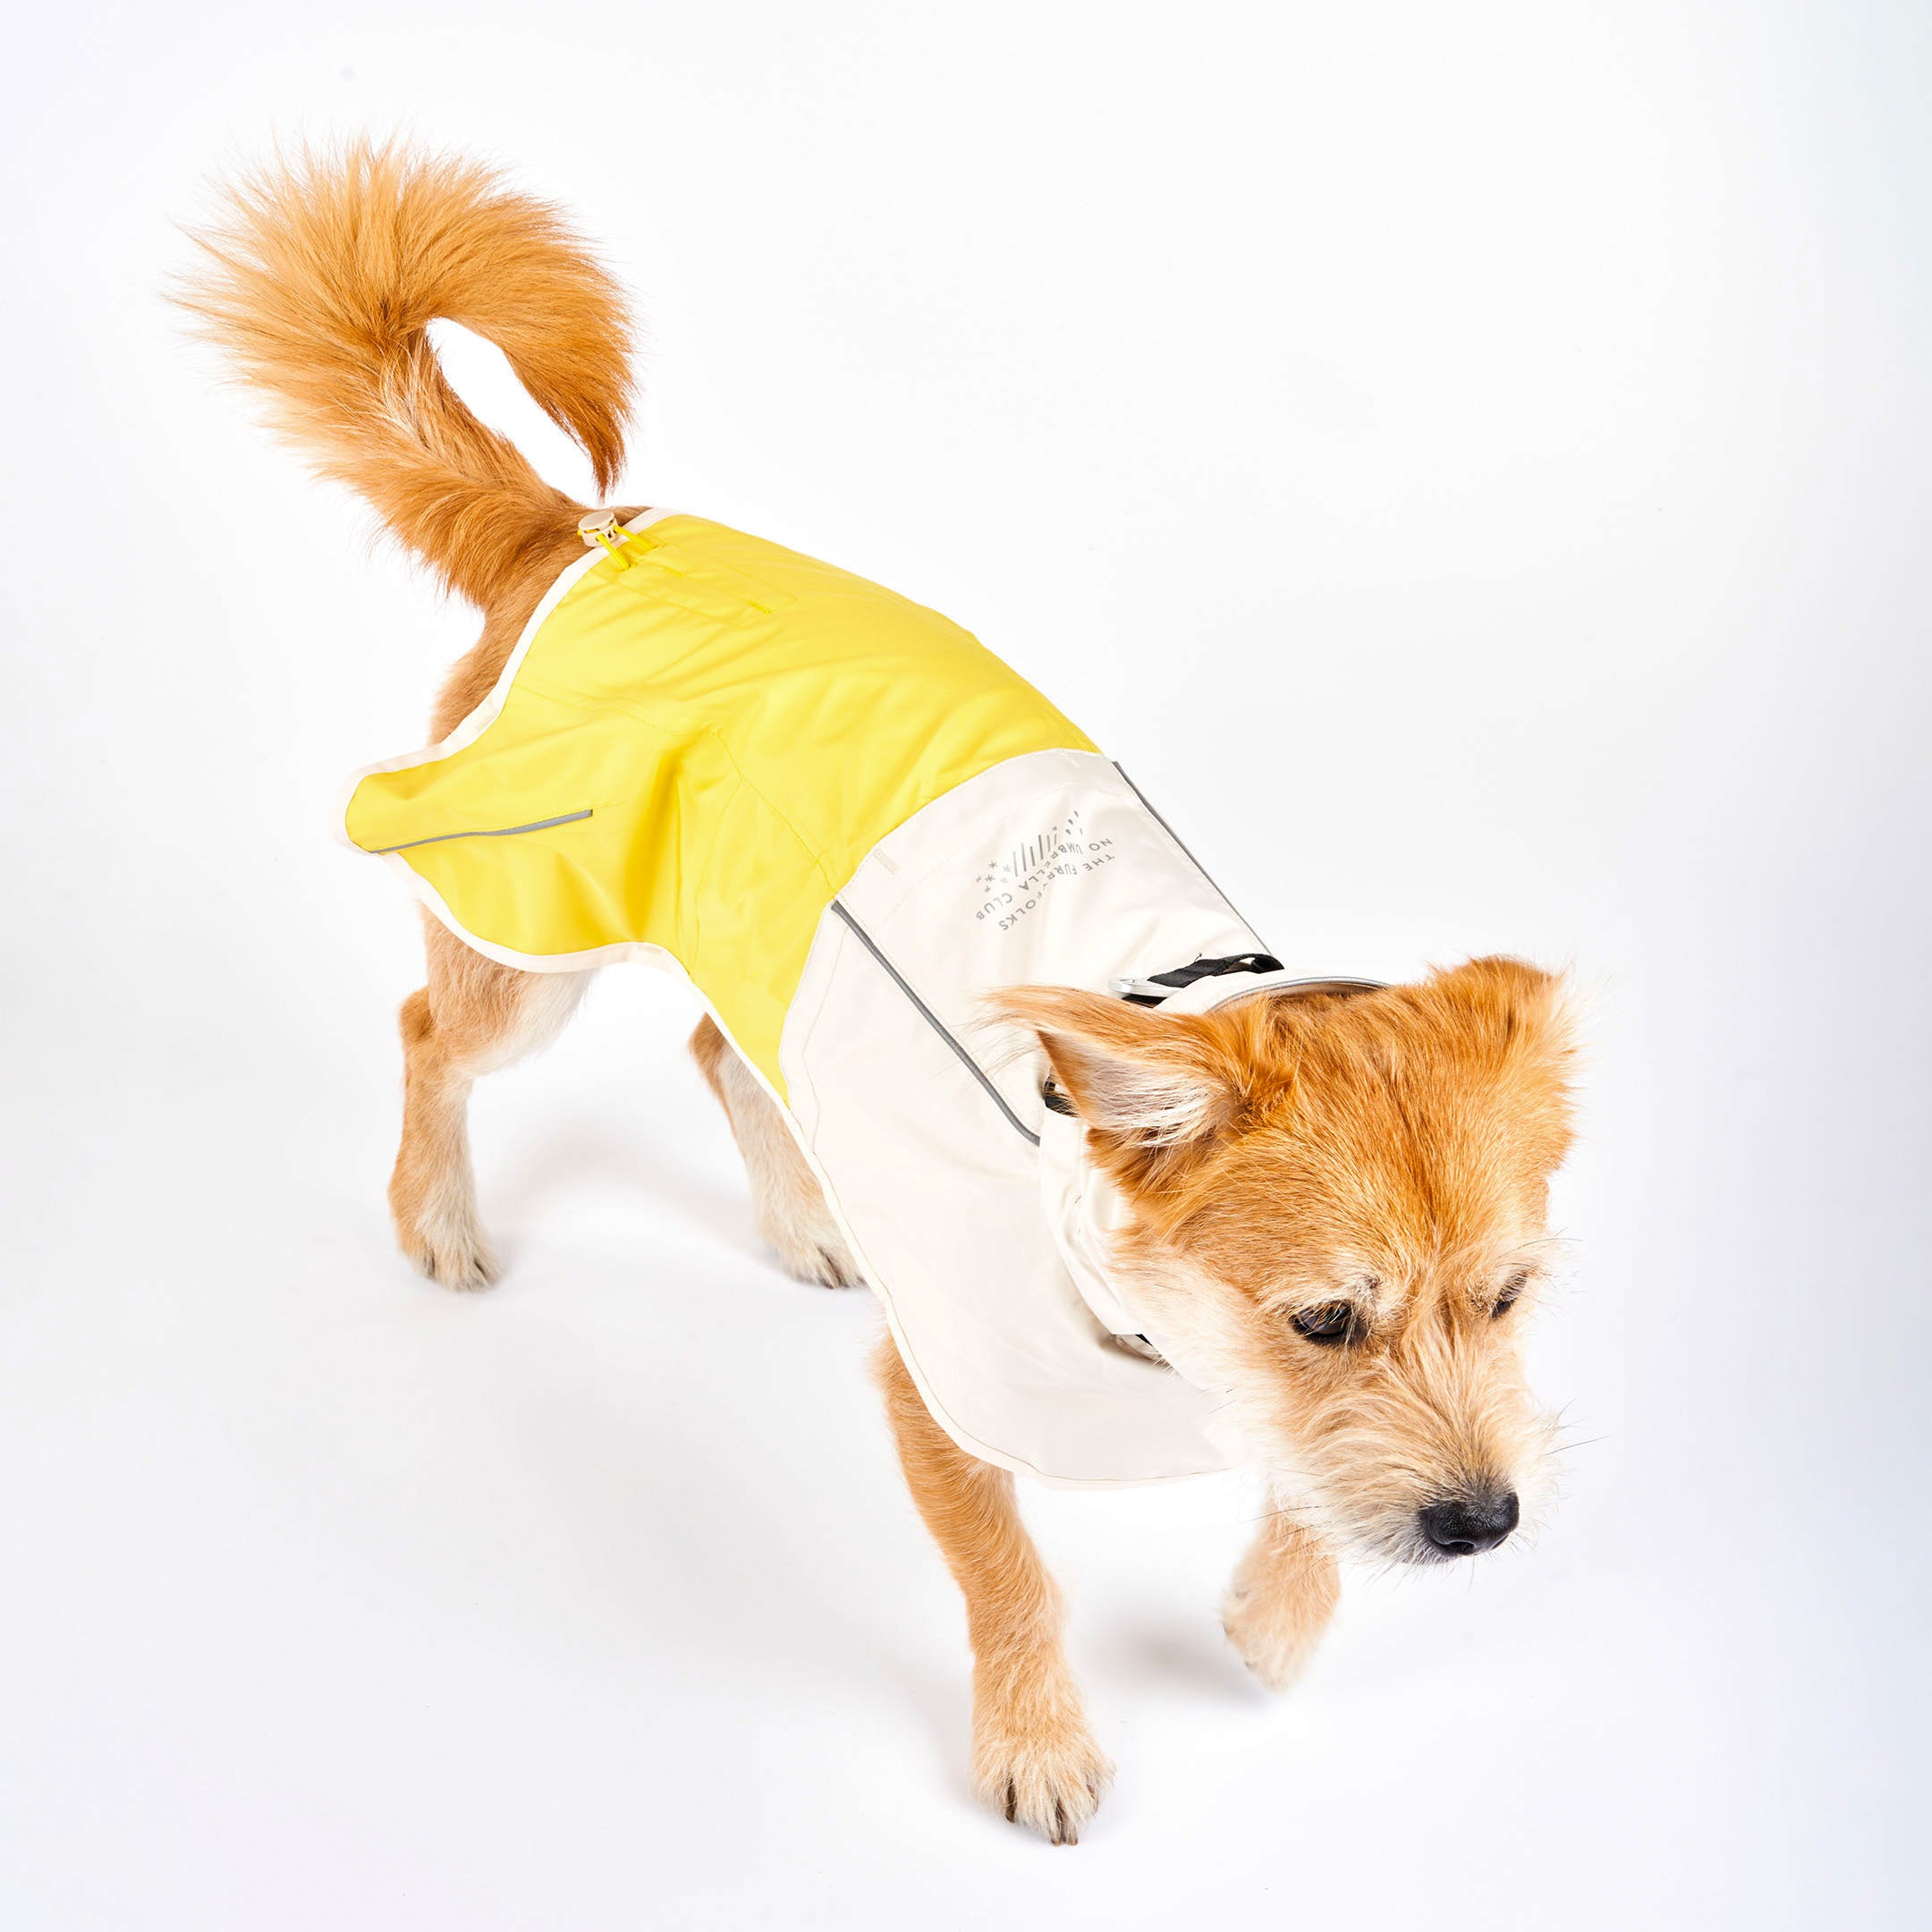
(693, 750)
(846, 823)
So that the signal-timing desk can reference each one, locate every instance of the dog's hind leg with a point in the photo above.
(1281, 1599)
(472, 1018)
(786, 1200)
(1033, 1755)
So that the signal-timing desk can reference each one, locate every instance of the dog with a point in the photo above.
(1328, 1202)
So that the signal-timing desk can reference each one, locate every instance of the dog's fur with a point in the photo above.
(1382, 1156)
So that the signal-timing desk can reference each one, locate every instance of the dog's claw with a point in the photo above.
(1048, 1777)
(465, 1263)
(835, 1271)
(822, 1262)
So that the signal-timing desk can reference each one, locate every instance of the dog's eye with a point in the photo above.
(1512, 1292)
(1333, 1321)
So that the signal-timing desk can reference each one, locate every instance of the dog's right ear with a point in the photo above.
(1150, 1081)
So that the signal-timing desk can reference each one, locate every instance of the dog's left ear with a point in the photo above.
(1524, 1021)
(1156, 1080)
(1515, 1007)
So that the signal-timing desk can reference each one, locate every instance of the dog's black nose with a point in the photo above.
(1470, 1523)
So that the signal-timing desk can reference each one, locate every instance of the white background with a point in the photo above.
(1470, 464)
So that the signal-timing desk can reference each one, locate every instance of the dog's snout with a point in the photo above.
(1465, 1525)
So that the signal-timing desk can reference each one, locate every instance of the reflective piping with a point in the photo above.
(938, 1026)
(1148, 804)
(508, 831)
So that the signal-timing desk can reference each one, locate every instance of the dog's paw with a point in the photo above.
(829, 1266)
(1273, 1637)
(815, 1254)
(1049, 1776)
(458, 1256)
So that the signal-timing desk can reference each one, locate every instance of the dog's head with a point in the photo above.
(1338, 1223)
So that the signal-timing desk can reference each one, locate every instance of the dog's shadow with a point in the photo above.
(1191, 1656)
(532, 1185)
(734, 1574)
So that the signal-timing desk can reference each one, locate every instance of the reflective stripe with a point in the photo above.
(1149, 804)
(938, 1026)
(508, 831)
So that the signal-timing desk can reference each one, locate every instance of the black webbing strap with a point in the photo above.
(1056, 1101)
(1143, 995)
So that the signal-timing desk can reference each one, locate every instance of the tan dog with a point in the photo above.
(1337, 1202)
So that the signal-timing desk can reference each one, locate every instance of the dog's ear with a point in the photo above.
(1524, 1022)
(1154, 1081)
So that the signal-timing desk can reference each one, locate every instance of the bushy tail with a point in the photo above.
(320, 282)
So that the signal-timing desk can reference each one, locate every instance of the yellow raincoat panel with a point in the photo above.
(697, 746)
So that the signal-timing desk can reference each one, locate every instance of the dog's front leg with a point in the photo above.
(1033, 1755)
(1281, 1599)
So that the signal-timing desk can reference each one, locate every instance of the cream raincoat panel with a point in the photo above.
(847, 822)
